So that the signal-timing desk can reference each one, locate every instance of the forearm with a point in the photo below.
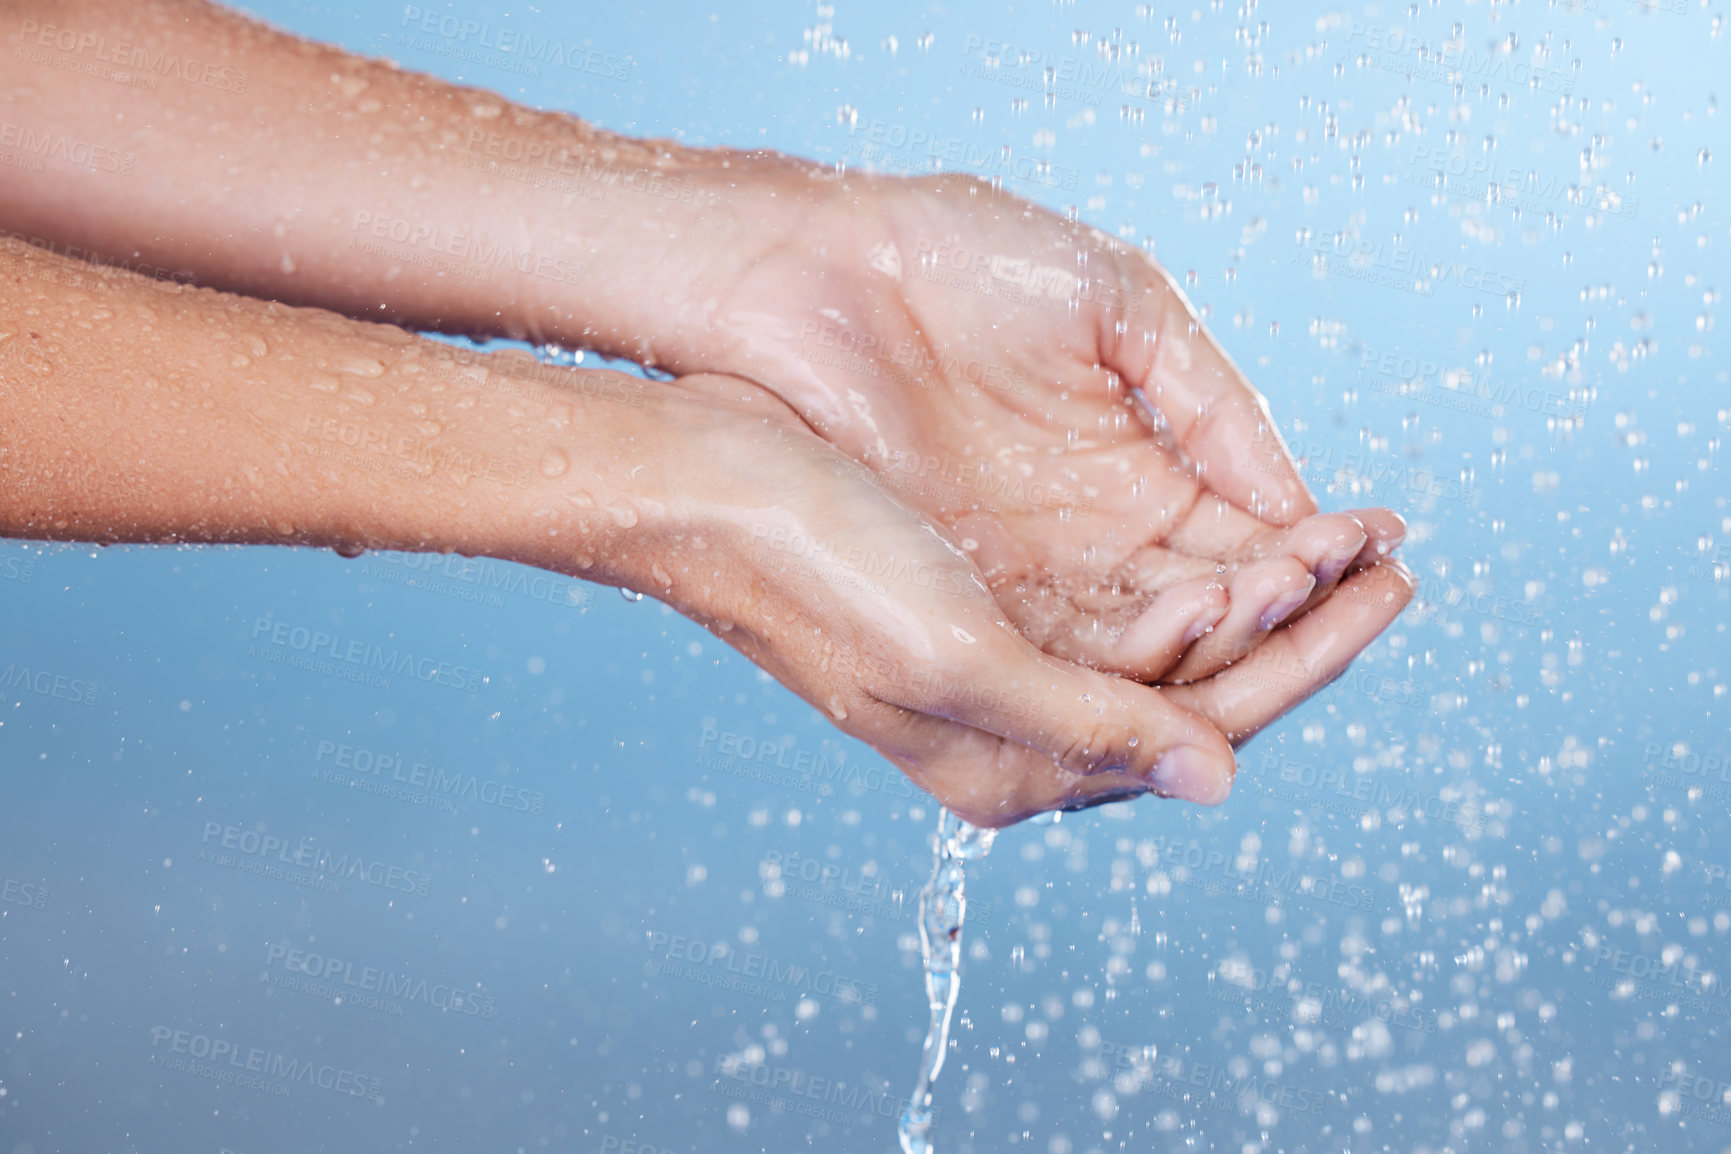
(132, 410)
(300, 173)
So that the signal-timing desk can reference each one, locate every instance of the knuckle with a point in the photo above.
(1087, 751)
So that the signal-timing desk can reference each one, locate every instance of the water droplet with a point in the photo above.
(362, 367)
(630, 594)
(554, 463)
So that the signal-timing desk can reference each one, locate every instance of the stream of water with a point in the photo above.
(943, 905)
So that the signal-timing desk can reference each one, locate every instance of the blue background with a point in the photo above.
(1472, 898)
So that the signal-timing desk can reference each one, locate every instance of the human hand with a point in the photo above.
(798, 557)
(1040, 390)
(996, 350)
(251, 423)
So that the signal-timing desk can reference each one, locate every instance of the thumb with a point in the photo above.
(1010, 731)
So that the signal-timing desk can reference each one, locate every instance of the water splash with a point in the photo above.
(555, 354)
(942, 906)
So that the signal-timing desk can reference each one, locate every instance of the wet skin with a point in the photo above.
(1039, 396)
(206, 417)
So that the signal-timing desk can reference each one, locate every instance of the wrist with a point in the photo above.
(677, 490)
(670, 233)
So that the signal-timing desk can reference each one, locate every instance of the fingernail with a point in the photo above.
(1283, 606)
(1389, 544)
(1334, 562)
(1188, 773)
(1204, 623)
(1080, 803)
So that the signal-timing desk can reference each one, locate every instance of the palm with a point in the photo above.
(873, 614)
(1046, 395)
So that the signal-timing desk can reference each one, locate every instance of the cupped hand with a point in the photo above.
(804, 561)
(1043, 392)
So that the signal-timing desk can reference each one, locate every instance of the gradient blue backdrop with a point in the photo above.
(1472, 898)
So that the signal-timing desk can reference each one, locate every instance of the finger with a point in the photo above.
(1263, 593)
(1324, 544)
(1384, 531)
(1149, 642)
(1054, 721)
(1002, 783)
(1108, 793)
(1296, 661)
(1156, 343)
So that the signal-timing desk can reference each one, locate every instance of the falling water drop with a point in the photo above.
(630, 594)
(943, 903)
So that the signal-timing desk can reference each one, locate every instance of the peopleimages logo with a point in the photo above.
(477, 579)
(47, 683)
(1398, 267)
(254, 1067)
(900, 147)
(1325, 464)
(1068, 77)
(781, 871)
(358, 658)
(516, 43)
(1197, 1082)
(742, 755)
(1678, 758)
(792, 1090)
(24, 894)
(1397, 49)
(14, 567)
(322, 865)
(84, 45)
(720, 967)
(1685, 1093)
(345, 978)
(419, 775)
(1314, 1001)
(1397, 374)
(1217, 873)
(1477, 177)
(1362, 793)
(38, 146)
